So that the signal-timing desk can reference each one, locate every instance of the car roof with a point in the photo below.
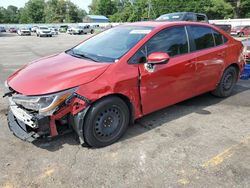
(159, 23)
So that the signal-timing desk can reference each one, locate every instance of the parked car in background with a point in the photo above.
(24, 32)
(54, 31)
(43, 31)
(12, 30)
(34, 28)
(240, 31)
(184, 16)
(226, 27)
(75, 30)
(88, 29)
(246, 44)
(63, 28)
(80, 30)
(100, 86)
(2, 29)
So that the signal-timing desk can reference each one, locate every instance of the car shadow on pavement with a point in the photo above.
(8, 34)
(58, 142)
(194, 105)
(148, 122)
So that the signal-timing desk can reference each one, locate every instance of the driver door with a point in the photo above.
(167, 84)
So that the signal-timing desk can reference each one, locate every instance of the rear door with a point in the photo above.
(208, 46)
(169, 83)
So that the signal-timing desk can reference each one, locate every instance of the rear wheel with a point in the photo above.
(227, 83)
(240, 34)
(106, 122)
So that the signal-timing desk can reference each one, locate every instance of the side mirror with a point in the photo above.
(158, 58)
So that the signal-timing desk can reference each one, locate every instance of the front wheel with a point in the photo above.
(227, 83)
(106, 122)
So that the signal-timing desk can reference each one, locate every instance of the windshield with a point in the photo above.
(111, 44)
(45, 28)
(171, 17)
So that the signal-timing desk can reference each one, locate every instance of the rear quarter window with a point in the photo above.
(218, 38)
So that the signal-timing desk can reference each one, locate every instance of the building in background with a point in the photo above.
(95, 19)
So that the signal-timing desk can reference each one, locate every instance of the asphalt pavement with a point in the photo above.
(201, 142)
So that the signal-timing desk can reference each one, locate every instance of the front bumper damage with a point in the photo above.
(24, 131)
(32, 126)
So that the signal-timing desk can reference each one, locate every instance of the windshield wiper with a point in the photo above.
(82, 56)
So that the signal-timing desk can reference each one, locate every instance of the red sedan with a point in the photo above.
(241, 31)
(101, 85)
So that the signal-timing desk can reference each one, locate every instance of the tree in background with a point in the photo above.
(245, 9)
(58, 11)
(241, 8)
(1, 15)
(103, 7)
(41, 11)
(33, 11)
(135, 10)
(9, 15)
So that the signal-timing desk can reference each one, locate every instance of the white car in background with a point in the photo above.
(34, 28)
(24, 31)
(43, 31)
(75, 30)
(88, 29)
(54, 31)
(80, 30)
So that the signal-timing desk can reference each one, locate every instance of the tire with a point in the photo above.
(106, 122)
(92, 31)
(240, 34)
(227, 83)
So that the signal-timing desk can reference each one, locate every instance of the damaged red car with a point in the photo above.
(100, 86)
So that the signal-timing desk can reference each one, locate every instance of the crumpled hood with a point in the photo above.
(55, 73)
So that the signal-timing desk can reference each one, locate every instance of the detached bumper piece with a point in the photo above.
(23, 131)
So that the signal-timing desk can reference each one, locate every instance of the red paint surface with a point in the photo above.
(181, 78)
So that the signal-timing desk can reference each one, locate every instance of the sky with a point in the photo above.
(20, 3)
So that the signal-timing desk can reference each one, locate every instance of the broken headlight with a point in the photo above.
(45, 104)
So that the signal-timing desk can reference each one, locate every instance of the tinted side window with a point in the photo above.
(202, 36)
(201, 18)
(189, 17)
(172, 41)
(218, 38)
(224, 39)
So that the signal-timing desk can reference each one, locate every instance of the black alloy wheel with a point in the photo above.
(227, 83)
